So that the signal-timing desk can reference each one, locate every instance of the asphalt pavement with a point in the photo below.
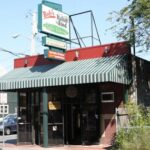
(8, 139)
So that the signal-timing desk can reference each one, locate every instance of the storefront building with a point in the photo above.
(71, 102)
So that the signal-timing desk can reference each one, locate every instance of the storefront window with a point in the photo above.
(107, 97)
(4, 109)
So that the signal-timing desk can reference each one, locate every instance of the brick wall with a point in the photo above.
(107, 121)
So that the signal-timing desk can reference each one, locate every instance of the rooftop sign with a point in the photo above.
(53, 22)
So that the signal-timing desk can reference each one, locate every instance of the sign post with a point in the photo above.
(56, 25)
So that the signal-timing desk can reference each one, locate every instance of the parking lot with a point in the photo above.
(9, 139)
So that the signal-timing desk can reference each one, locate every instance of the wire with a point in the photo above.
(12, 53)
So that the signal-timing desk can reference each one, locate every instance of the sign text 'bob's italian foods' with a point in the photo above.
(53, 22)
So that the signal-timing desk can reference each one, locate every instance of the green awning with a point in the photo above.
(108, 69)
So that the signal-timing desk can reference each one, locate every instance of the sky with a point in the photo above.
(16, 18)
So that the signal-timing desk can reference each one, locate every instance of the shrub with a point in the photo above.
(137, 135)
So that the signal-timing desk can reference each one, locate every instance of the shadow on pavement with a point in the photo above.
(12, 141)
(9, 139)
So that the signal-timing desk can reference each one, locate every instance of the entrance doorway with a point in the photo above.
(24, 123)
(29, 118)
(72, 123)
(81, 124)
(81, 116)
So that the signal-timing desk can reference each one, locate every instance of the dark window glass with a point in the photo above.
(107, 97)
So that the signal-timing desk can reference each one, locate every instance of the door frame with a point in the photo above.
(82, 91)
(31, 97)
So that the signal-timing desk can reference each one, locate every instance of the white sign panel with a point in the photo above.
(3, 97)
(55, 43)
(55, 22)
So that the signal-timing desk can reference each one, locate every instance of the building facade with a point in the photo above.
(70, 102)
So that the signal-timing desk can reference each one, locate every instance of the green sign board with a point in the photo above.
(54, 42)
(53, 22)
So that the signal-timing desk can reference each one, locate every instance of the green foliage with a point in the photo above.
(132, 23)
(133, 139)
(137, 135)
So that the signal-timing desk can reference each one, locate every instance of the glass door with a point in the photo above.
(90, 124)
(72, 123)
(24, 122)
(55, 119)
(90, 117)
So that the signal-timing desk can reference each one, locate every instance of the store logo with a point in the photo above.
(49, 14)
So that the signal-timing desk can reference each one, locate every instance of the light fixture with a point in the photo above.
(77, 54)
(31, 39)
(25, 62)
(106, 49)
(15, 36)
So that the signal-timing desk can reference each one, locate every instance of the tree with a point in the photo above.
(132, 23)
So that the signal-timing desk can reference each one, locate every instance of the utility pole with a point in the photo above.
(34, 32)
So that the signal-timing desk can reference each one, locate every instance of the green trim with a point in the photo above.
(52, 49)
(40, 17)
(56, 38)
(57, 49)
(55, 6)
(45, 118)
(44, 40)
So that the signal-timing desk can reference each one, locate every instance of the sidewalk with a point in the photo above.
(64, 147)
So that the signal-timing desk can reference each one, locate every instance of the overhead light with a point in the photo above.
(15, 36)
(77, 54)
(106, 49)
